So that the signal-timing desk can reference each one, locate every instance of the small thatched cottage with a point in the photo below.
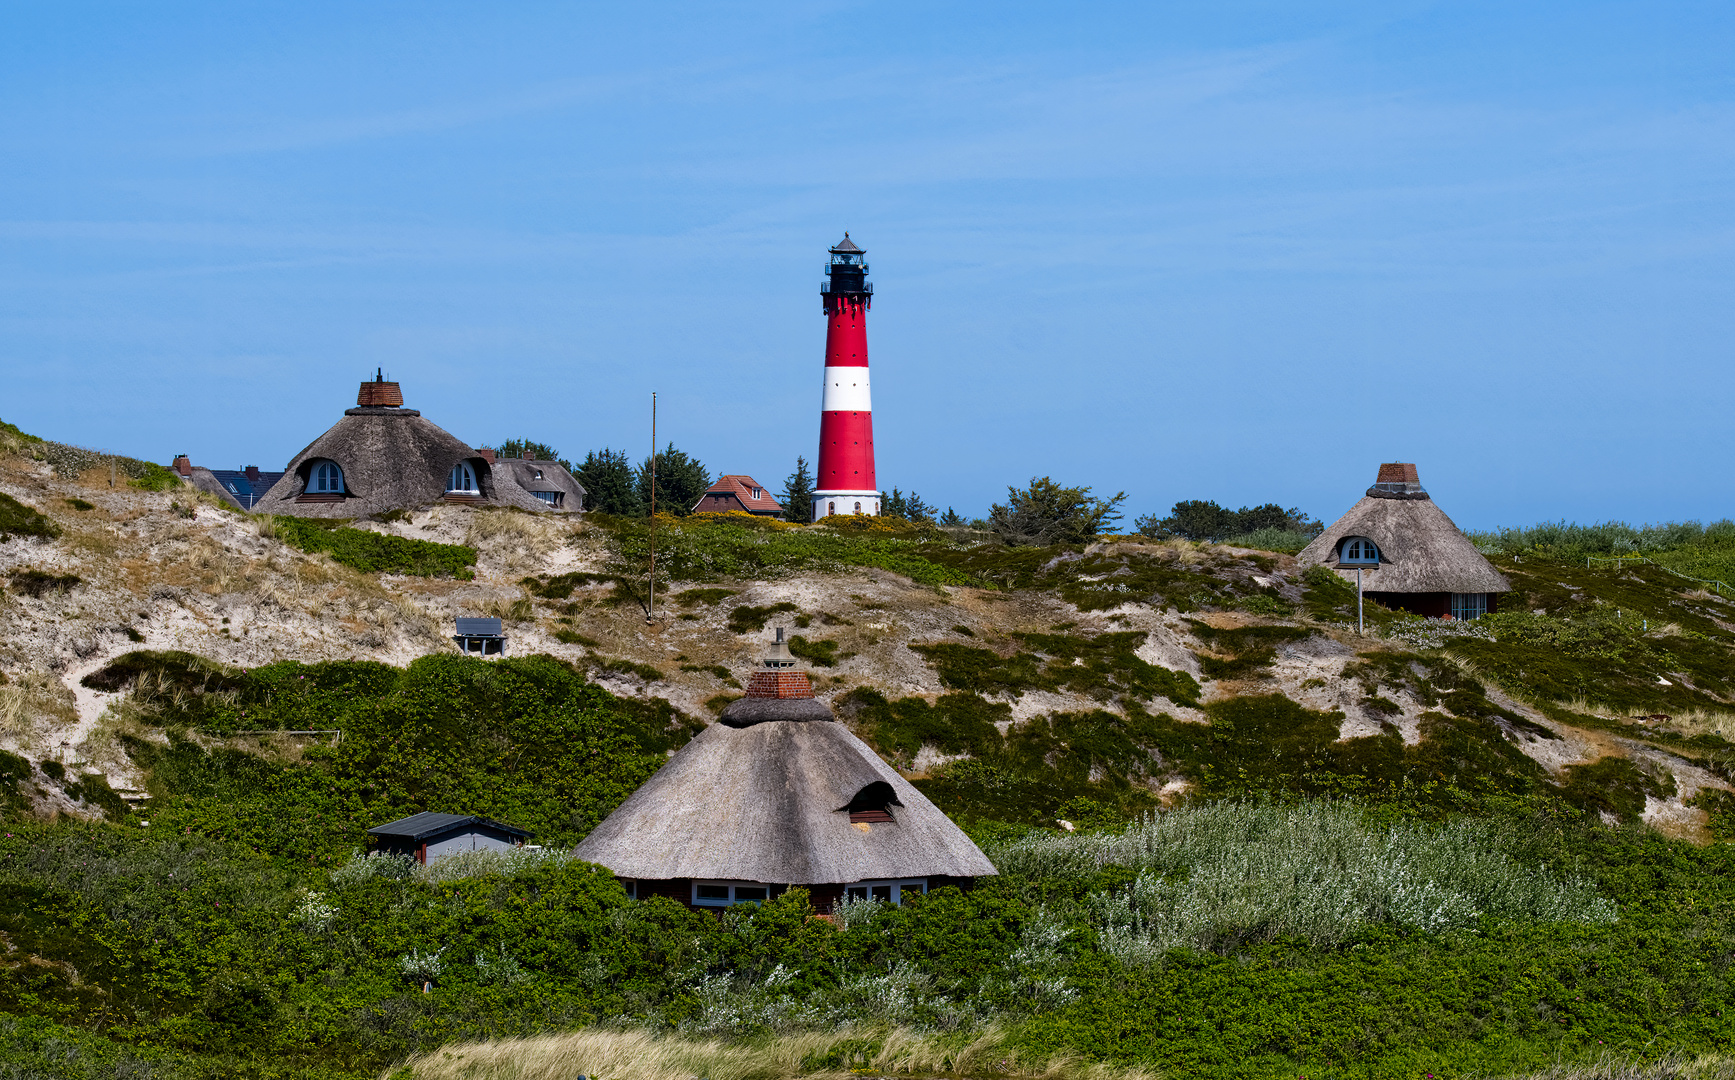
(779, 793)
(382, 456)
(1410, 555)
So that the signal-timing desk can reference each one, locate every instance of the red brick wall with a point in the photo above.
(384, 394)
(780, 684)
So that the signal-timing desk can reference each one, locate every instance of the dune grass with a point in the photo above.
(833, 1055)
(1712, 1067)
(1227, 873)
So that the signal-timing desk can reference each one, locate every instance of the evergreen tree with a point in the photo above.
(681, 480)
(911, 507)
(951, 517)
(609, 484)
(1203, 519)
(798, 493)
(1048, 513)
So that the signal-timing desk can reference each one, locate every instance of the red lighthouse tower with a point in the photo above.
(846, 483)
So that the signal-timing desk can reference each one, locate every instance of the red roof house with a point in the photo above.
(738, 492)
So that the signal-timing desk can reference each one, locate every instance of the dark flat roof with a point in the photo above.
(428, 823)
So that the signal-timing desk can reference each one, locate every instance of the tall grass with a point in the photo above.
(1690, 547)
(1287, 541)
(463, 864)
(1713, 1067)
(838, 1054)
(1219, 875)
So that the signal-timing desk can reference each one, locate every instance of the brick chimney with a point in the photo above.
(486, 454)
(1398, 480)
(183, 465)
(380, 394)
(252, 473)
(1396, 473)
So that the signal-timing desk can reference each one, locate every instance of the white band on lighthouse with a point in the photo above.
(846, 390)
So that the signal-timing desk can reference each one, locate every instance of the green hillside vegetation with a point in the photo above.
(374, 552)
(1314, 906)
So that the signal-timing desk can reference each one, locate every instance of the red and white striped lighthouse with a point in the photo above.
(846, 483)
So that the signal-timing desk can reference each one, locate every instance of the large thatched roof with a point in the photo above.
(770, 801)
(393, 458)
(1421, 551)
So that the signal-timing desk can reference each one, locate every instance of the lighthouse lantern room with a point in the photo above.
(846, 483)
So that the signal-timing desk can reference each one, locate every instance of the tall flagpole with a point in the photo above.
(651, 608)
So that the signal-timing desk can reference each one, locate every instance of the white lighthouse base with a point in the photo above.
(828, 503)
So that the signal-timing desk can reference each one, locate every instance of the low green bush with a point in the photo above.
(377, 553)
(822, 652)
(16, 519)
(1105, 666)
(746, 619)
(37, 584)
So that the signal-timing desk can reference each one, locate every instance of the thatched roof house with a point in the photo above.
(382, 456)
(1410, 555)
(779, 793)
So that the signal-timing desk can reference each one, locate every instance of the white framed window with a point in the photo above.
(858, 508)
(727, 893)
(758, 493)
(1358, 551)
(462, 479)
(537, 474)
(552, 498)
(1471, 605)
(325, 479)
(891, 892)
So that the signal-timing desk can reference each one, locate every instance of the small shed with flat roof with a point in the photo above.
(428, 836)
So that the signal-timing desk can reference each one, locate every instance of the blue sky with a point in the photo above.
(1239, 251)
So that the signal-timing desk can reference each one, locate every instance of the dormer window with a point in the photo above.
(758, 493)
(536, 474)
(1358, 551)
(872, 804)
(325, 479)
(462, 480)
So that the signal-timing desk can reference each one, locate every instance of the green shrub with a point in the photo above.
(560, 586)
(37, 584)
(695, 597)
(80, 505)
(1105, 666)
(822, 652)
(1616, 786)
(16, 519)
(747, 619)
(377, 553)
